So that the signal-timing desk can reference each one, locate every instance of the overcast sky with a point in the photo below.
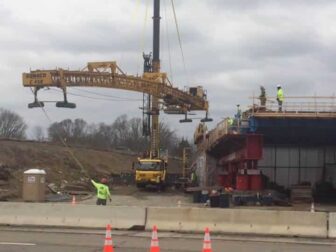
(231, 47)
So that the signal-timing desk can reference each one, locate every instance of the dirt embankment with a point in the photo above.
(58, 162)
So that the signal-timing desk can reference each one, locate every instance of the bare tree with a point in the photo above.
(120, 128)
(60, 131)
(38, 133)
(103, 136)
(79, 130)
(12, 125)
(136, 141)
(168, 137)
(123, 132)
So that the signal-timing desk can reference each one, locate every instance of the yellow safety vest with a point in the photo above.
(102, 190)
(280, 95)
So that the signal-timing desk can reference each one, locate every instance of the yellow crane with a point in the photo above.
(163, 95)
(109, 75)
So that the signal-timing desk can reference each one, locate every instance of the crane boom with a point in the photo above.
(155, 84)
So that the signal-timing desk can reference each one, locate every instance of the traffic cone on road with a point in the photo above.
(108, 245)
(312, 207)
(207, 241)
(73, 200)
(154, 247)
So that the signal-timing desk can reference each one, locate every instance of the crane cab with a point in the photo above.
(197, 91)
(150, 172)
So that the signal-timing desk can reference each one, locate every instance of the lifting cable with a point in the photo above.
(168, 42)
(179, 38)
(105, 95)
(96, 98)
(82, 169)
(134, 17)
(141, 45)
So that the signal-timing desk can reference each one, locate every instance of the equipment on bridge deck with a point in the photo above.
(108, 245)
(207, 241)
(154, 246)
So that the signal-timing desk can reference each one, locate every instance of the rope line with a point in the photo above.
(82, 169)
(142, 37)
(96, 98)
(105, 95)
(179, 38)
(168, 43)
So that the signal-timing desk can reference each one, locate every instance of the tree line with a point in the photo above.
(123, 133)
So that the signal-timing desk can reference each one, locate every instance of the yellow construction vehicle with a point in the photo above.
(161, 95)
(151, 171)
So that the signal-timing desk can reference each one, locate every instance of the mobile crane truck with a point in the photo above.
(151, 168)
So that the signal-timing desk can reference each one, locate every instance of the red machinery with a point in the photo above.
(239, 160)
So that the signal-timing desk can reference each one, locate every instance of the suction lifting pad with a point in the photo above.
(65, 105)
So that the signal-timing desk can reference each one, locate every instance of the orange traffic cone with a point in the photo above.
(73, 200)
(108, 245)
(154, 247)
(207, 241)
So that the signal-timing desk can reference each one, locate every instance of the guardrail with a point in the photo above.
(295, 104)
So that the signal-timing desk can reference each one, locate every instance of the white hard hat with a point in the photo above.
(278, 85)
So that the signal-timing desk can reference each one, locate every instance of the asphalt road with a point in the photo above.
(52, 240)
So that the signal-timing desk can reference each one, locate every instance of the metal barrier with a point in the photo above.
(296, 104)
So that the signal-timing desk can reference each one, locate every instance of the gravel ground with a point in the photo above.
(132, 196)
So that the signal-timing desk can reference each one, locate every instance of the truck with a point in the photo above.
(151, 171)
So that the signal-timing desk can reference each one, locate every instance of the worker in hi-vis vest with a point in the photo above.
(280, 97)
(103, 191)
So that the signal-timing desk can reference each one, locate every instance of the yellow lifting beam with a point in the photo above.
(109, 75)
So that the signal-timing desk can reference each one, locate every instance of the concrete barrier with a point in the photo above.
(242, 221)
(61, 215)
(332, 225)
(235, 221)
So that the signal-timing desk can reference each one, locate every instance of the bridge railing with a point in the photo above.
(295, 104)
(292, 106)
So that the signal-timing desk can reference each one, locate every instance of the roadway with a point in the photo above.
(72, 240)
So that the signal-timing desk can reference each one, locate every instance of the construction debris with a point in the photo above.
(301, 193)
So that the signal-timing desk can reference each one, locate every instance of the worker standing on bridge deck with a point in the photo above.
(103, 192)
(280, 97)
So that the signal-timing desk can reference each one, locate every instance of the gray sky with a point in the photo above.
(231, 47)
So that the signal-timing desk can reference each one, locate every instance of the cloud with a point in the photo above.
(230, 47)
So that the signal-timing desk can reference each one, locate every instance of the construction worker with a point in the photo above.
(193, 178)
(238, 116)
(103, 191)
(239, 112)
(280, 97)
(230, 121)
(262, 97)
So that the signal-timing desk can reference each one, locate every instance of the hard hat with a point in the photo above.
(103, 181)
(278, 85)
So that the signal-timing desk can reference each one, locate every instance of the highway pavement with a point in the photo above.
(73, 240)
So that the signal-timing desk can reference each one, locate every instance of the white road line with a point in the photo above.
(17, 244)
